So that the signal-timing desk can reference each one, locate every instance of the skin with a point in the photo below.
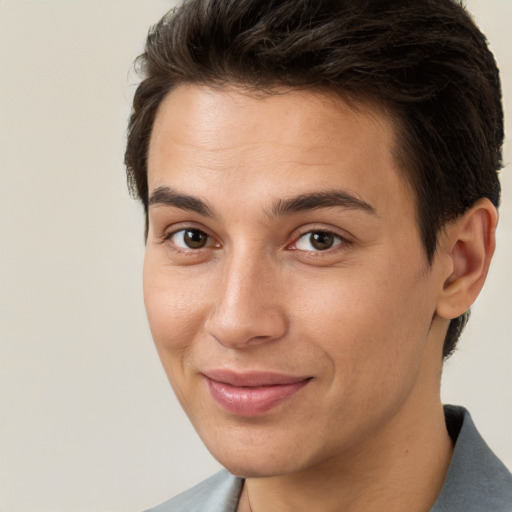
(364, 319)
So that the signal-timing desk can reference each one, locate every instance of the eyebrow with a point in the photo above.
(303, 202)
(168, 197)
(317, 200)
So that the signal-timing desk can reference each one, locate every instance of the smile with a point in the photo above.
(254, 393)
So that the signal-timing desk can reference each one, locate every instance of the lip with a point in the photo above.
(252, 393)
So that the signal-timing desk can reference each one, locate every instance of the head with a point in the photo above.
(319, 180)
(424, 63)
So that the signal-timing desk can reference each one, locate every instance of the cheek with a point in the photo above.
(373, 329)
(173, 306)
(173, 309)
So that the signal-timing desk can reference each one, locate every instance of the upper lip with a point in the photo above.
(252, 378)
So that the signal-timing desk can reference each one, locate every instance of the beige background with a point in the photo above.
(88, 422)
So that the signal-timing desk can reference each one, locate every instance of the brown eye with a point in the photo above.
(195, 239)
(321, 240)
(318, 241)
(190, 239)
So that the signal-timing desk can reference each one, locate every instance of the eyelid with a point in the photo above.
(172, 230)
(344, 238)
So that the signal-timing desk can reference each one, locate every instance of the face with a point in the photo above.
(285, 281)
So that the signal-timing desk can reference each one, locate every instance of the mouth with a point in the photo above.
(252, 393)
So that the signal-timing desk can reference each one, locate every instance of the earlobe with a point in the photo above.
(469, 243)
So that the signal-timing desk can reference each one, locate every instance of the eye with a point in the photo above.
(189, 239)
(317, 241)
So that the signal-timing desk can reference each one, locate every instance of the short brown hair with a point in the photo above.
(425, 61)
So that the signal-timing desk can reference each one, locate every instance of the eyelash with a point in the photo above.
(190, 250)
(339, 242)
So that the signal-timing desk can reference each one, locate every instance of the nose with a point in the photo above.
(247, 309)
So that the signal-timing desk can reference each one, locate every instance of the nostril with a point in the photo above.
(238, 330)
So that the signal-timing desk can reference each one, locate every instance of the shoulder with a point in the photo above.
(477, 480)
(219, 493)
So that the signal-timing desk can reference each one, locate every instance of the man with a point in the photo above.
(320, 187)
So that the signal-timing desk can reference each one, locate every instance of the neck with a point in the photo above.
(402, 477)
(399, 469)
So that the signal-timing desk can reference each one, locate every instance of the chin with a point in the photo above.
(262, 468)
(247, 457)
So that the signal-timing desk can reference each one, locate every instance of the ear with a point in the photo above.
(469, 244)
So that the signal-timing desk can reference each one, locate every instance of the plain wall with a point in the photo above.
(88, 421)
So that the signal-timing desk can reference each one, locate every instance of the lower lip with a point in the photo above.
(252, 401)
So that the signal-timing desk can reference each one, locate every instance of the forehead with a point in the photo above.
(236, 113)
(295, 139)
